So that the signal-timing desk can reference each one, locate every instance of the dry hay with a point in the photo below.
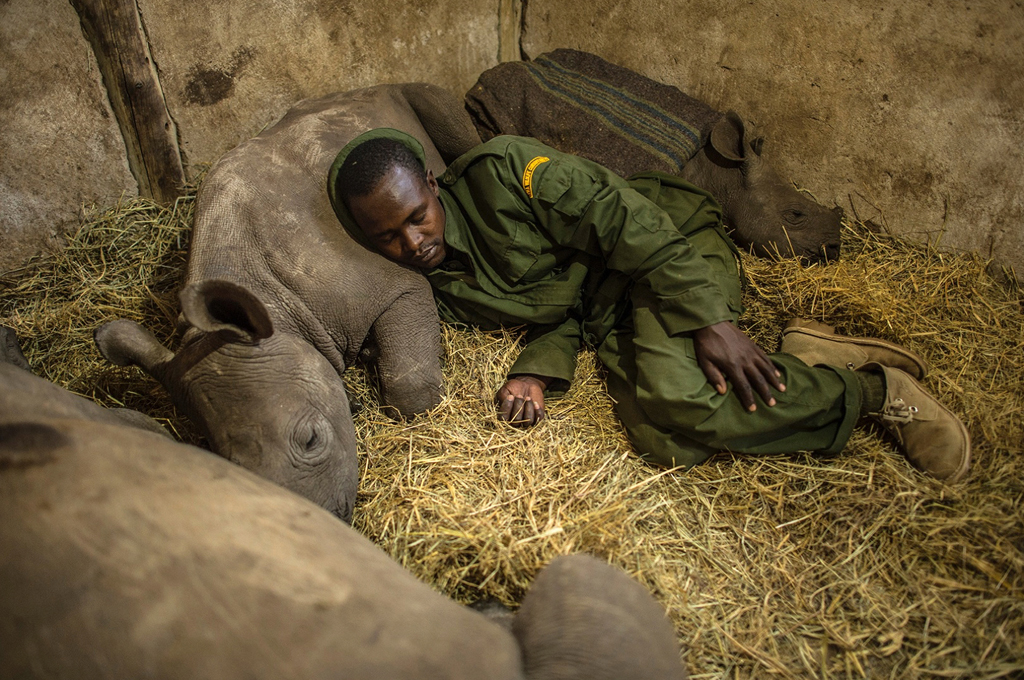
(791, 566)
(125, 262)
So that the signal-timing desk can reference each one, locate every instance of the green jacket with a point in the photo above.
(554, 243)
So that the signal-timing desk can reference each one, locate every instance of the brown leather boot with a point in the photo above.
(817, 343)
(933, 439)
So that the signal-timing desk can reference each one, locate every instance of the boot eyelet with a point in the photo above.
(850, 365)
(913, 409)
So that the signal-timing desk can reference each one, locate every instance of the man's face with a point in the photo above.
(403, 218)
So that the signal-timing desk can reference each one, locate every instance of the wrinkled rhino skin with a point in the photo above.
(124, 554)
(279, 300)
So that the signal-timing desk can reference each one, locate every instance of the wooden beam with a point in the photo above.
(510, 18)
(114, 29)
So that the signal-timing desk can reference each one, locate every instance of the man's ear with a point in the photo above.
(432, 183)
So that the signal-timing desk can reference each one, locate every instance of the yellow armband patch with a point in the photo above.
(528, 173)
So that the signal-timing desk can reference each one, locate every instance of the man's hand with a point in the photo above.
(724, 351)
(521, 399)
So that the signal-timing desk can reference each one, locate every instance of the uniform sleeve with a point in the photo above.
(551, 351)
(585, 206)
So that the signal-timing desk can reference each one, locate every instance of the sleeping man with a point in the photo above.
(517, 234)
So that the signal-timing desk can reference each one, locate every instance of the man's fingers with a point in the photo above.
(763, 388)
(772, 374)
(525, 414)
(505, 407)
(714, 376)
(517, 410)
(744, 392)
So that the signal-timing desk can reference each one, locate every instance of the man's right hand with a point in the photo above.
(520, 400)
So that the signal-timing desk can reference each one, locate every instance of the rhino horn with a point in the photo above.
(217, 306)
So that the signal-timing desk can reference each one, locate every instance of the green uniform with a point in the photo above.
(577, 255)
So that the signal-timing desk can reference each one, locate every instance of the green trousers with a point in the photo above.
(675, 417)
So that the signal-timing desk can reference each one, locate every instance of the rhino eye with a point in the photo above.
(311, 437)
(794, 215)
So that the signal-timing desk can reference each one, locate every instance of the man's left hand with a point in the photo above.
(724, 351)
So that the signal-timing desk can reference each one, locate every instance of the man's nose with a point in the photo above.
(413, 239)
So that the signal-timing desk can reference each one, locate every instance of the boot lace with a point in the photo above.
(898, 411)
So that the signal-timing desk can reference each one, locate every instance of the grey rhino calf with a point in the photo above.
(124, 554)
(579, 103)
(278, 300)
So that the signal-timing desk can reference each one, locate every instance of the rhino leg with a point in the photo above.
(585, 619)
(444, 118)
(408, 342)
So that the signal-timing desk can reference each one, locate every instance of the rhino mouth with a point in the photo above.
(827, 254)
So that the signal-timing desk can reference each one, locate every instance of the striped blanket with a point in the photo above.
(579, 103)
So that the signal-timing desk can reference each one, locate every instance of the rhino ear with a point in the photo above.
(217, 306)
(727, 137)
(126, 343)
(578, 602)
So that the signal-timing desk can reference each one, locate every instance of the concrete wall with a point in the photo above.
(910, 112)
(60, 146)
(230, 68)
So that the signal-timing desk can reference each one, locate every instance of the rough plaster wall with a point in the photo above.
(60, 146)
(230, 68)
(909, 111)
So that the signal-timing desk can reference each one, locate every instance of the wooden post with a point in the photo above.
(509, 29)
(114, 29)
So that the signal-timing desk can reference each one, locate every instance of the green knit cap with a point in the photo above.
(332, 175)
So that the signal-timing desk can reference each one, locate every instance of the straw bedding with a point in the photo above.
(781, 566)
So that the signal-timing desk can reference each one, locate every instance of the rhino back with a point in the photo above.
(124, 554)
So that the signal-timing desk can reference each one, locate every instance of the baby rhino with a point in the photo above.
(126, 555)
(579, 103)
(278, 300)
